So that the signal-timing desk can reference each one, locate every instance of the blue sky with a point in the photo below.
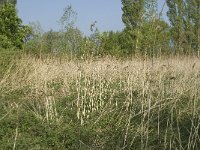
(107, 13)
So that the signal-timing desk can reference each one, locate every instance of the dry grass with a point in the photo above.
(148, 101)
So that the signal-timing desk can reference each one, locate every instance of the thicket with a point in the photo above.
(146, 33)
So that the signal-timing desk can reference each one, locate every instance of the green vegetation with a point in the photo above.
(14, 2)
(134, 89)
(104, 104)
(12, 32)
(145, 34)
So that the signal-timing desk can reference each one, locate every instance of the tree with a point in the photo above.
(184, 16)
(150, 9)
(111, 44)
(34, 40)
(12, 32)
(14, 2)
(133, 11)
(68, 18)
(69, 32)
(176, 15)
(144, 30)
(194, 14)
(155, 38)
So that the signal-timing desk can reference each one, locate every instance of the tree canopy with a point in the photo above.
(14, 2)
(12, 32)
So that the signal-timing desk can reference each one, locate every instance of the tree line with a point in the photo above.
(146, 33)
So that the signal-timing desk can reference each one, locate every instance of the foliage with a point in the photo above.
(132, 13)
(70, 37)
(68, 18)
(132, 17)
(12, 32)
(34, 41)
(110, 43)
(155, 38)
(176, 14)
(69, 40)
(193, 9)
(184, 18)
(150, 9)
(51, 41)
(2, 2)
(145, 33)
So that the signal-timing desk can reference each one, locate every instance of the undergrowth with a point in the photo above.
(102, 104)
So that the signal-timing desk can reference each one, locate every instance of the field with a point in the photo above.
(105, 104)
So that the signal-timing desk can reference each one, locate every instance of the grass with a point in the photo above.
(54, 103)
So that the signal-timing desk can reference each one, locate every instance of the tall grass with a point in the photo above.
(102, 104)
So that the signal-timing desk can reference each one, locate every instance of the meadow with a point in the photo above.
(103, 103)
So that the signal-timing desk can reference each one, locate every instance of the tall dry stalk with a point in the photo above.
(130, 89)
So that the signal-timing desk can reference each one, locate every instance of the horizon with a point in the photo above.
(106, 13)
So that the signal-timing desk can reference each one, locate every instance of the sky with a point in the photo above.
(107, 13)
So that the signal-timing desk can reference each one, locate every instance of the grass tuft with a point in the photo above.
(51, 103)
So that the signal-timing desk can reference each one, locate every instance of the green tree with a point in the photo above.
(180, 16)
(194, 18)
(68, 18)
(133, 11)
(175, 15)
(50, 40)
(14, 2)
(150, 9)
(34, 40)
(71, 36)
(184, 16)
(155, 38)
(111, 44)
(12, 32)
(144, 30)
